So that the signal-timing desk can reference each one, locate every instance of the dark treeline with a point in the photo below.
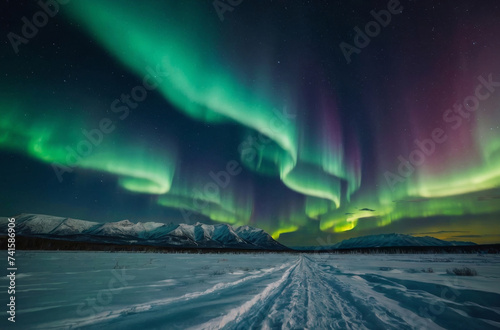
(39, 243)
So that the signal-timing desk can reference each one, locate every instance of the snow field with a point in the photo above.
(95, 290)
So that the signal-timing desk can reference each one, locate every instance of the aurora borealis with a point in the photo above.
(160, 111)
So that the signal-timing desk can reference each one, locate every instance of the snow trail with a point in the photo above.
(310, 292)
(316, 295)
(301, 299)
(151, 306)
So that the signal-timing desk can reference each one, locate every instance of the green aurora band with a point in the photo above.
(307, 153)
(200, 87)
(59, 140)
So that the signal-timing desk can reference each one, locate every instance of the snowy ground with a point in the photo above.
(96, 290)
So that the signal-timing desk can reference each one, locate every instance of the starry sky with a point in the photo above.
(314, 120)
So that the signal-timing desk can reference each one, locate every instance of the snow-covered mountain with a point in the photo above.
(144, 233)
(35, 224)
(124, 228)
(256, 236)
(386, 240)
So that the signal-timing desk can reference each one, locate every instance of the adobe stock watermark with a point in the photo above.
(221, 6)
(249, 150)
(120, 106)
(426, 315)
(454, 117)
(371, 30)
(30, 28)
(104, 297)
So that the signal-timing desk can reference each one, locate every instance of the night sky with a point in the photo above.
(276, 114)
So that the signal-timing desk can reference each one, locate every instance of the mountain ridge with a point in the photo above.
(147, 233)
(389, 240)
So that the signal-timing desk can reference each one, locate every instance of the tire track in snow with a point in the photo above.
(389, 303)
(433, 306)
(311, 295)
(246, 315)
(154, 305)
(308, 293)
(380, 313)
(300, 299)
(310, 302)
